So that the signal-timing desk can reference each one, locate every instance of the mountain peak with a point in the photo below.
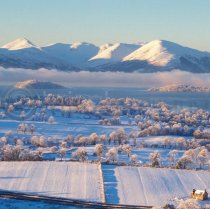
(20, 43)
(113, 52)
(157, 52)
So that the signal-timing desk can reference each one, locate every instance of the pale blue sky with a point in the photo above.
(101, 21)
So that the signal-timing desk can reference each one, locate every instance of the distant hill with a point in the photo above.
(154, 56)
(37, 85)
(180, 88)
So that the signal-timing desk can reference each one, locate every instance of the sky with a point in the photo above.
(106, 21)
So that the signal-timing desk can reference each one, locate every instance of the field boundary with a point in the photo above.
(103, 195)
(65, 201)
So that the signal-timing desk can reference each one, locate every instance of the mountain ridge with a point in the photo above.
(153, 56)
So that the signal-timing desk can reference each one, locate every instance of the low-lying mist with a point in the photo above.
(104, 79)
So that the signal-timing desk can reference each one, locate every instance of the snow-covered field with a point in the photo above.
(62, 179)
(152, 186)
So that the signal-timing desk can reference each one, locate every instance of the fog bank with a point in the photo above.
(104, 79)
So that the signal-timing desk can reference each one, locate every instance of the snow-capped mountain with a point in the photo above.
(21, 53)
(77, 54)
(113, 53)
(160, 55)
(157, 55)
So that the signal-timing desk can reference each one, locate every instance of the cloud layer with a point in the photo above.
(104, 79)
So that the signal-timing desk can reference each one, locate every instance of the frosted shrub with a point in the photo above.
(39, 141)
(188, 204)
(27, 155)
(10, 153)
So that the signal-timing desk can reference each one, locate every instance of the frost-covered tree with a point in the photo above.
(80, 154)
(11, 153)
(42, 141)
(103, 138)
(184, 161)
(167, 142)
(203, 156)
(22, 128)
(93, 138)
(62, 152)
(32, 128)
(172, 157)
(134, 159)
(127, 149)
(155, 159)
(10, 108)
(99, 148)
(111, 155)
(39, 141)
(82, 140)
(112, 137)
(69, 139)
(120, 135)
(181, 142)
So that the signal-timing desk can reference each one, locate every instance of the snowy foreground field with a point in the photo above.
(153, 186)
(61, 179)
(122, 184)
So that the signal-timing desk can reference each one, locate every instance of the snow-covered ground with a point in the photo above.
(61, 179)
(152, 186)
